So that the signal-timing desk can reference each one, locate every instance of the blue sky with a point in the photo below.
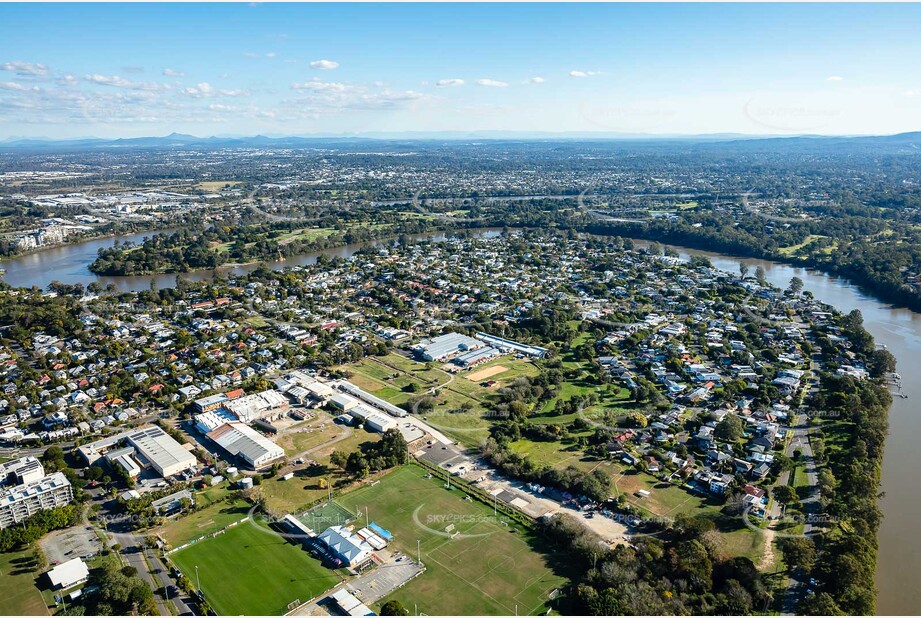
(112, 70)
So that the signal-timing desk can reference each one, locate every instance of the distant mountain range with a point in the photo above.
(906, 143)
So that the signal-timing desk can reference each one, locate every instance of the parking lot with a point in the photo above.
(77, 542)
(384, 579)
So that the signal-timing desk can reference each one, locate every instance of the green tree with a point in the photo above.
(729, 429)
(785, 494)
(393, 608)
(798, 552)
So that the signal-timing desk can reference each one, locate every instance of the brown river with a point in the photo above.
(898, 329)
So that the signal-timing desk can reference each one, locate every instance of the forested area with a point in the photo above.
(679, 571)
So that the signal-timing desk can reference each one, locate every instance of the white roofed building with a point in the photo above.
(246, 443)
(68, 574)
(348, 547)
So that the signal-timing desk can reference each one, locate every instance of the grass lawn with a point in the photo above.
(798, 476)
(214, 494)
(665, 499)
(309, 434)
(304, 234)
(494, 570)
(556, 454)
(20, 596)
(742, 541)
(788, 251)
(387, 377)
(209, 519)
(256, 321)
(252, 570)
(304, 489)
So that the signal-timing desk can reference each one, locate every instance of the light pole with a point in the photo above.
(419, 551)
(197, 580)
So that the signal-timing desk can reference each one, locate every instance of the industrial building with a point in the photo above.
(370, 399)
(475, 357)
(372, 419)
(266, 405)
(349, 548)
(343, 402)
(444, 346)
(19, 501)
(212, 402)
(209, 421)
(512, 346)
(148, 446)
(246, 443)
(320, 391)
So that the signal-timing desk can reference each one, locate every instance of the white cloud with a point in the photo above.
(270, 55)
(912, 93)
(320, 98)
(173, 73)
(583, 73)
(492, 83)
(205, 90)
(25, 68)
(319, 86)
(449, 82)
(250, 54)
(17, 87)
(324, 65)
(118, 81)
(834, 78)
(535, 80)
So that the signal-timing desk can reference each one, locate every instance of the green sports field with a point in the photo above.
(209, 519)
(18, 594)
(489, 569)
(252, 570)
(322, 516)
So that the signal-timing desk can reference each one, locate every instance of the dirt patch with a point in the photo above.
(489, 372)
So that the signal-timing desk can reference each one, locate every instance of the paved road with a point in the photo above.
(173, 593)
(153, 571)
(135, 557)
(811, 505)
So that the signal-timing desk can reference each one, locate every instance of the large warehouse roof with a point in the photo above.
(151, 444)
(243, 441)
(446, 345)
(163, 453)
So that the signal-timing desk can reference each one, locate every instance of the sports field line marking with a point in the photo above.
(472, 585)
(475, 583)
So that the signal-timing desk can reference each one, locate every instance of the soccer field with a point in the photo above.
(252, 570)
(321, 517)
(488, 569)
